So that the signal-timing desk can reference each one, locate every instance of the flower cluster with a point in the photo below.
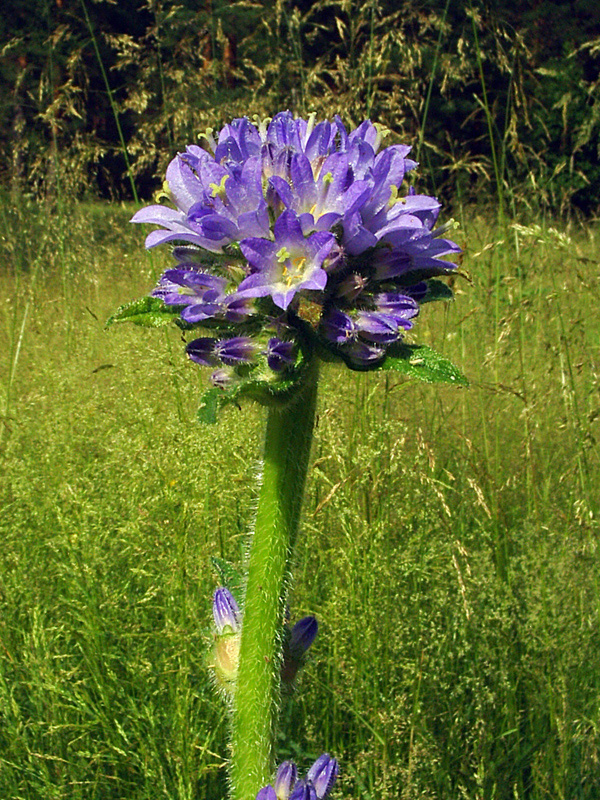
(316, 786)
(225, 652)
(293, 236)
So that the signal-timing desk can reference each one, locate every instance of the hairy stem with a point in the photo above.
(286, 453)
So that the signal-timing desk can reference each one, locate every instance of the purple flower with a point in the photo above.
(226, 612)
(363, 355)
(239, 350)
(280, 354)
(294, 237)
(286, 777)
(322, 775)
(377, 327)
(338, 327)
(287, 265)
(267, 793)
(316, 786)
(303, 791)
(303, 634)
(208, 352)
(202, 351)
(324, 200)
(295, 647)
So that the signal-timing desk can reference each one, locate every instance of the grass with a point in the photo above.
(449, 542)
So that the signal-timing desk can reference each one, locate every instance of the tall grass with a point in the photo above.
(456, 581)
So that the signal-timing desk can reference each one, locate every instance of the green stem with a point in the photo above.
(287, 449)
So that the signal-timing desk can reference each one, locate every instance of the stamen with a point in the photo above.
(394, 197)
(218, 189)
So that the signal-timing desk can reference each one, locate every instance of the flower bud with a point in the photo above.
(322, 775)
(226, 648)
(303, 791)
(286, 777)
(295, 646)
(266, 793)
(303, 634)
(226, 612)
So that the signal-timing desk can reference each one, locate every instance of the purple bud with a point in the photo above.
(303, 791)
(202, 351)
(335, 260)
(267, 793)
(222, 378)
(226, 611)
(352, 286)
(338, 328)
(237, 308)
(303, 634)
(399, 306)
(363, 355)
(286, 777)
(239, 350)
(322, 775)
(377, 328)
(279, 354)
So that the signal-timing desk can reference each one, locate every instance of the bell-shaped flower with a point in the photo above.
(267, 793)
(280, 354)
(322, 199)
(287, 265)
(303, 634)
(294, 239)
(286, 777)
(303, 790)
(322, 775)
(210, 352)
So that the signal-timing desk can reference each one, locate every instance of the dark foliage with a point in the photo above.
(99, 95)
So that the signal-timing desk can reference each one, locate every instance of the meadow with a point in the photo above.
(449, 536)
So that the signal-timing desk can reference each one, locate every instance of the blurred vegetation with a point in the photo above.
(98, 95)
(449, 542)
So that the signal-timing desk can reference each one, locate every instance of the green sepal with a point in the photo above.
(422, 362)
(437, 290)
(267, 393)
(148, 312)
(230, 578)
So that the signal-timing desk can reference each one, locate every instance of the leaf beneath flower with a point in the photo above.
(437, 290)
(420, 361)
(148, 312)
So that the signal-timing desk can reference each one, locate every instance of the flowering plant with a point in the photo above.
(295, 242)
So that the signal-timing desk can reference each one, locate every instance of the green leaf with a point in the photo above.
(230, 577)
(437, 290)
(420, 361)
(148, 312)
(209, 405)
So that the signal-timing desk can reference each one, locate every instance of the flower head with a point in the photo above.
(294, 237)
